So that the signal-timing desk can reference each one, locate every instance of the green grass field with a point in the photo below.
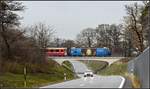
(43, 76)
(33, 80)
(102, 68)
(95, 65)
(115, 69)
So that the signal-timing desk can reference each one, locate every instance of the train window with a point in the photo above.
(51, 50)
(57, 50)
(62, 50)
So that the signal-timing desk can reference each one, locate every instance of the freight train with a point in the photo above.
(78, 52)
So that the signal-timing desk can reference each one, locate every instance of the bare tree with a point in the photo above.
(86, 38)
(115, 33)
(68, 43)
(57, 42)
(108, 35)
(41, 33)
(145, 22)
(127, 41)
(102, 37)
(38, 37)
(133, 23)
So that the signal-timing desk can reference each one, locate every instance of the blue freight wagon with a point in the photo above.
(109, 53)
(76, 51)
(102, 52)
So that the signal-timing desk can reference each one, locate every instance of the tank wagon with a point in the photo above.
(76, 51)
(79, 52)
(102, 52)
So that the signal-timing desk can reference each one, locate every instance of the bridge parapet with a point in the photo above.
(110, 60)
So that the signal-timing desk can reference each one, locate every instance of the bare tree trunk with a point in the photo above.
(8, 51)
(140, 38)
(89, 42)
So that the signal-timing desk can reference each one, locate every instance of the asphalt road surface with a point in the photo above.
(89, 82)
(128, 83)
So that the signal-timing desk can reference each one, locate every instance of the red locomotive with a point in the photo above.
(56, 51)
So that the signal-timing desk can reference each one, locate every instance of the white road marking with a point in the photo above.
(81, 84)
(122, 82)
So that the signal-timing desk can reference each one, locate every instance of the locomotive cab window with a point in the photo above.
(62, 50)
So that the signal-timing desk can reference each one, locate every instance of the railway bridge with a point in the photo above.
(110, 60)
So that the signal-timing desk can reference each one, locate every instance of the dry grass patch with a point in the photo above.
(134, 80)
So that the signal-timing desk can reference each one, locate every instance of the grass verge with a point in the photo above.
(134, 80)
(117, 68)
(45, 75)
(33, 80)
(102, 68)
(96, 66)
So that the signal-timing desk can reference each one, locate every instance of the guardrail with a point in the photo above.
(140, 67)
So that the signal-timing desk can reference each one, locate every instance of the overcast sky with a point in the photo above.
(70, 17)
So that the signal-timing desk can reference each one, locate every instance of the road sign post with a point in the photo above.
(65, 77)
(25, 78)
